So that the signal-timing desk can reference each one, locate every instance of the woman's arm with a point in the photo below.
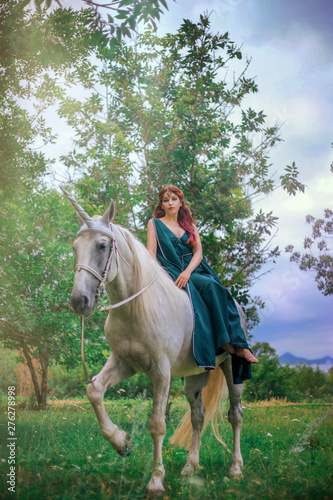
(151, 239)
(183, 278)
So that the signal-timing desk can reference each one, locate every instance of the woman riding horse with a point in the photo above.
(149, 326)
(174, 240)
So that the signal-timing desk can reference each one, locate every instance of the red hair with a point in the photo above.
(184, 218)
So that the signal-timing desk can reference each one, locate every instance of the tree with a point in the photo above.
(159, 110)
(36, 278)
(36, 53)
(318, 257)
(167, 117)
(270, 379)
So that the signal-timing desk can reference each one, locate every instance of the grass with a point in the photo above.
(60, 453)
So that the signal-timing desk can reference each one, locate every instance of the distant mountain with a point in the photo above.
(292, 360)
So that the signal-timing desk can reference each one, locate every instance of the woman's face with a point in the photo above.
(170, 203)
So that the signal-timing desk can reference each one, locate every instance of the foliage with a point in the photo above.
(8, 363)
(126, 14)
(271, 380)
(290, 182)
(286, 451)
(69, 383)
(319, 261)
(35, 282)
(36, 51)
(160, 111)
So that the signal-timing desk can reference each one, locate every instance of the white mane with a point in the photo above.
(147, 305)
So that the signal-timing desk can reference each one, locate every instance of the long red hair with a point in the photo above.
(184, 218)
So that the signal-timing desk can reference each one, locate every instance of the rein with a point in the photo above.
(101, 288)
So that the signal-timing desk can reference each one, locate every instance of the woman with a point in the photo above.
(174, 240)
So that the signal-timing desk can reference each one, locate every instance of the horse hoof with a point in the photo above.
(188, 470)
(154, 491)
(154, 494)
(236, 474)
(155, 487)
(127, 449)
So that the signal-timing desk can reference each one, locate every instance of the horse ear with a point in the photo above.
(109, 214)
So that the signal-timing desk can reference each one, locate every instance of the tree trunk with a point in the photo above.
(44, 361)
(33, 374)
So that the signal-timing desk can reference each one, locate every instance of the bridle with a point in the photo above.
(102, 278)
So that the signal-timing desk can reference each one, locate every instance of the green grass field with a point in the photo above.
(60, 453)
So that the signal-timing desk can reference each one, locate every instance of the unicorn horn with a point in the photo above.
(82, 213)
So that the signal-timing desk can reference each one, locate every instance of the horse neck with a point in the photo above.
(121, 286)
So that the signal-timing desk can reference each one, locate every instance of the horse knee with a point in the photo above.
(94, 394)
(157, 425)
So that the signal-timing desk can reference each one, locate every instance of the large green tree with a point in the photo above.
(38, 50)
(158, 110)
(164, 110)
(37, 53)
(36, 278)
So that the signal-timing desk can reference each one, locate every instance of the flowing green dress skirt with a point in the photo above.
(216, 318)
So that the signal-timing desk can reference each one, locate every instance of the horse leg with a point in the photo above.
(234, 416)
(160, 376)
(113, 372)
(193, 391)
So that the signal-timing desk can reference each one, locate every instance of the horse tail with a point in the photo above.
(212, 395)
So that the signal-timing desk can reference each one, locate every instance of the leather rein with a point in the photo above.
(101, 288)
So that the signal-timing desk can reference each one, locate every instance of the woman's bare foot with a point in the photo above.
(247, 354)
(242, 352)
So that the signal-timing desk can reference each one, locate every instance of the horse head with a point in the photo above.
(92, 247)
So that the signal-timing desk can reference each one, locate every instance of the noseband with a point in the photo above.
(101, 278)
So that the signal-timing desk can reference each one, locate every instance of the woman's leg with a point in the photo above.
(224, 316)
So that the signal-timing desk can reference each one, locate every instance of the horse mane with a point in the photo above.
(146, 306)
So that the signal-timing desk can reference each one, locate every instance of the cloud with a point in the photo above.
(281, 18)
(297, 317)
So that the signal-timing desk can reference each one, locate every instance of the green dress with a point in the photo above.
(216, 318)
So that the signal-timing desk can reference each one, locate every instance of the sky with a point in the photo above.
(290, 44)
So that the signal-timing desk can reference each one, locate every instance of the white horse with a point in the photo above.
(149, 333)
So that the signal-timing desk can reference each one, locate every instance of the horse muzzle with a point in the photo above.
(83, 304)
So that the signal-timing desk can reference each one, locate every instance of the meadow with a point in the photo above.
(60, 454)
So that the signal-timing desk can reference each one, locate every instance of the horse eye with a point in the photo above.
(102, 246)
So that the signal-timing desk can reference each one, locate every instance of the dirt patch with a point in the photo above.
(62, 402)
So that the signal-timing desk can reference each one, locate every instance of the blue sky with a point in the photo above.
(290, 43)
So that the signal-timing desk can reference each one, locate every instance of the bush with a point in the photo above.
(311, 383)
(71, 383)
(65, 383)
(270, 380)
(8, 363)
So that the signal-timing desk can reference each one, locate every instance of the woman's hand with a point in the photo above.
(183, 278)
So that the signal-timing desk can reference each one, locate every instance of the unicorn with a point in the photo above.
(149, 328)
